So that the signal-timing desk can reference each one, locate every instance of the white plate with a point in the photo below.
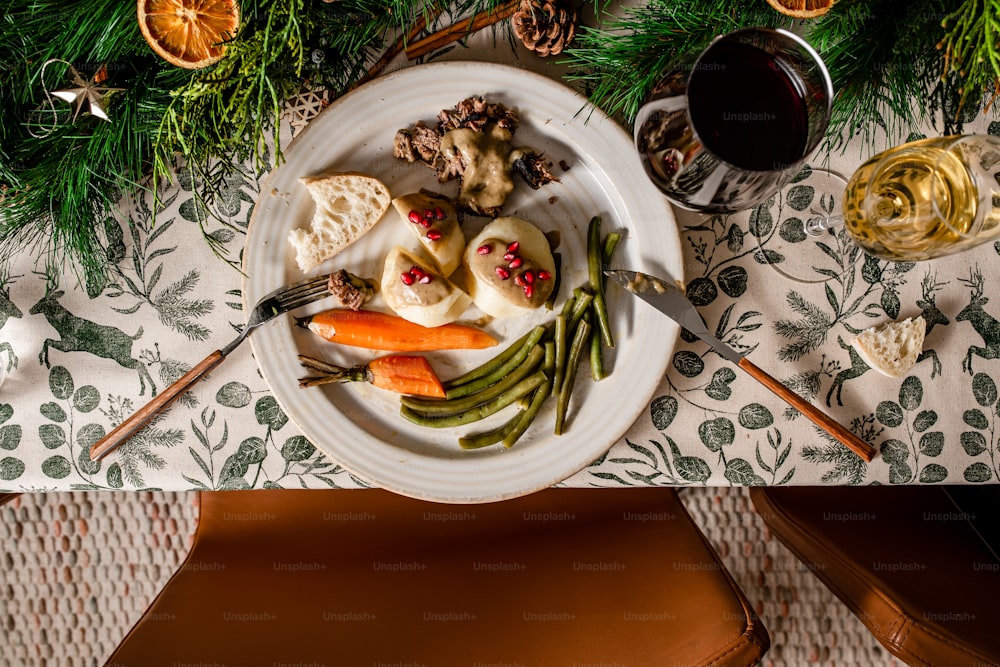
(359, 426)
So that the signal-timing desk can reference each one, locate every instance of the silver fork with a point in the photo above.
(276, 303)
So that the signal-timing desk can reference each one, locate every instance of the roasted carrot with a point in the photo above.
(381, 331)
(403, 374)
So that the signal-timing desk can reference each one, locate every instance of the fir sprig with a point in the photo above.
(971, 46)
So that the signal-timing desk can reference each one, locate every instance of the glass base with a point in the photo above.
(800, 246)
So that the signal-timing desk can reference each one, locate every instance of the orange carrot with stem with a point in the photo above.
(403, 374)
(381, 331)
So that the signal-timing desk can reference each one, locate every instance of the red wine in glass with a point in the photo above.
(726, 132)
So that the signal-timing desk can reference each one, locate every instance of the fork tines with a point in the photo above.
(303, 292)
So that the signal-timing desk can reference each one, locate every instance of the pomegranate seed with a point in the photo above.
(426, 278)
(519, 281)
(428, 214)
(434, 234)
(438, 213)
(407, 278)
(516, 263)
(425, 223)
(513, 247)
(529, 276)
(414, 217)
(528, 291)
(544, 275)
(503, 273)
(509, 256)
(484, 249)
(416, 271)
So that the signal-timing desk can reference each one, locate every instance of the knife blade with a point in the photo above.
(670, 300)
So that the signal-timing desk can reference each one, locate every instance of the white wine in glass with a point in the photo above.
(921, 200)
(925, 199)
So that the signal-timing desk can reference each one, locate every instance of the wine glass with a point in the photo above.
(918, 201)
(726, 128)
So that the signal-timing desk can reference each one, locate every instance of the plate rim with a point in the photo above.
(372, 477)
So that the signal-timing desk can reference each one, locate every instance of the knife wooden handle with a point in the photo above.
(818, 417)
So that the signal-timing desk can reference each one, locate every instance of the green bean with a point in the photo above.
(540, 395)
(579, 310)
(568, 306)
(526, 386)
(610, 245)
(562, 398)
(597, 358)
(490, 366)
(500, 372)
(491, 437)
(455, 405)
(560, 352)
(595, 269)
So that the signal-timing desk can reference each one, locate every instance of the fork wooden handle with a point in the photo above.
(138, 419)
(818, 417)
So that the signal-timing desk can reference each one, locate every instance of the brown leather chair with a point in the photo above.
(917, 565)
(366, 577)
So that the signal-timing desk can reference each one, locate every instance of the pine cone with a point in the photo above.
(546, 26)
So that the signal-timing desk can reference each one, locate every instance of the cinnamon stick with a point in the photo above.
(461, 29)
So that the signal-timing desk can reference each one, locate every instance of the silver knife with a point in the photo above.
(670, 300)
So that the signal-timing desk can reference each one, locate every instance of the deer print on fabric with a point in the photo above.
(932, 317)
(80, 335)
(984, 323)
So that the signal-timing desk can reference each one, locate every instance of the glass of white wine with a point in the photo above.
(918, 201)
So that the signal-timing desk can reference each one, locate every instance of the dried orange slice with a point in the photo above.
(802, 9)
(189, 33)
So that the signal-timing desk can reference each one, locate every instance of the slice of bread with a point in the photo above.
(892, 349)
(348, 204)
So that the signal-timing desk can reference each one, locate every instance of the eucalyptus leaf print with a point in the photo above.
(983, 438)
(10, 434)
(920, 439)
(717, 433)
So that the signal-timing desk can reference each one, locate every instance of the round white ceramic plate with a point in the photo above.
(359, 426)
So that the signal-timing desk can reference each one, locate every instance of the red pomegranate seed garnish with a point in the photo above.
(513, 246)
(503, 273)
(507, 256)
(544, 275)
(426, 278)
(529, 276)
(516, 263)
(434, 234)
(414, 217)
(519, 281)
(484, 249)
(428, 214)
(407, 278)
(528, 291)
(438, 213)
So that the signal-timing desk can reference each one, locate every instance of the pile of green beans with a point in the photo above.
(541, 364)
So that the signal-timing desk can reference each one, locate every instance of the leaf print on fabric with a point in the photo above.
(920, 440)
(717, 433)
(653, 465)
(140, 277)
(10, 469)
(662, 411)
(984, 439)
(138, 452)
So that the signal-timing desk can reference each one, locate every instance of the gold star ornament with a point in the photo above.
(87, 93)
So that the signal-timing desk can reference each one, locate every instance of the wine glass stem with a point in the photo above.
(816, 225)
